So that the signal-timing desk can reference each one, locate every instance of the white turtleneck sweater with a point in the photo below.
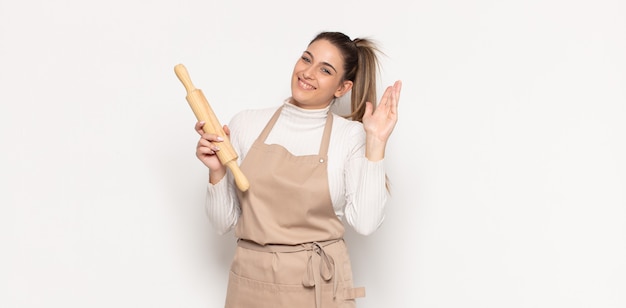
(357, 185)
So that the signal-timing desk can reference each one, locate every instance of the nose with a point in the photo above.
(308, 72)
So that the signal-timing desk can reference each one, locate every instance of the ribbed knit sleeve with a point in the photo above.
(362, 181)
(221, 205)
(366, 195)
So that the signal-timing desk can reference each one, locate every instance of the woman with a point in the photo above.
(308, 169)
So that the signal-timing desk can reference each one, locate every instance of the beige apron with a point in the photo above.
(290, 252)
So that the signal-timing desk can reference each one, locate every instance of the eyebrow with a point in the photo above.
(325, 63)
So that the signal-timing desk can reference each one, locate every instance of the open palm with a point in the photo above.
(379, 122)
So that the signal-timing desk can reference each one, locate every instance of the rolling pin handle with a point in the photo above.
(183, 76)
(240, 178)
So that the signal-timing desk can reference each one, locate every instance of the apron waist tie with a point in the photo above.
(316, 255)
(327, 271)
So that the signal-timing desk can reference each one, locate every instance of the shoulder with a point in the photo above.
(348, 127)
(347, 134)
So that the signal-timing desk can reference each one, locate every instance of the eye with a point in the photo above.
(306, 59)
(326, 71)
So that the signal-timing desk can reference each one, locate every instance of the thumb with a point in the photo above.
(369, 107)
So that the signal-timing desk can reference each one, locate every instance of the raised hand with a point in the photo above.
(379, 122)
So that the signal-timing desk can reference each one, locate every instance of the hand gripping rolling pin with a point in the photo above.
(203, 112)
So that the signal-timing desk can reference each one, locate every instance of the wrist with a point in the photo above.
(215, 176)
(375, 148)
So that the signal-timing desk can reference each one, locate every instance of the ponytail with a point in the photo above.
(364, 84)
(360, 67)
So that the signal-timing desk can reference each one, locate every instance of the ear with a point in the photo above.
(343, 88)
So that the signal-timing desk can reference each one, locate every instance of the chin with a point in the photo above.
(297, 96)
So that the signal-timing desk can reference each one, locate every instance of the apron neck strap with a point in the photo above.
(325, 137)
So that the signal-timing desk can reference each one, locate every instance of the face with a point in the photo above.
(318, 76)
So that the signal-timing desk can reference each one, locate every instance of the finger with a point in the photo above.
(208, 144)
(369, 107)
(397, 87)
(212, 137)
(226, 130)
(204, 151)
(204, 143)
(384, 100)
(198, 127)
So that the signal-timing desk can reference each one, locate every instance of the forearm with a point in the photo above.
(215, 176)
(367, 195)
(374, 148)
(222, 206)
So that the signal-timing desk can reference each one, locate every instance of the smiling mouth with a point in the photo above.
(305, 85)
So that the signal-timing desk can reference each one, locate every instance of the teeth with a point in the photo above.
(305, 85)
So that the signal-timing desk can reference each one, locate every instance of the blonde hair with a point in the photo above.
(360, 67)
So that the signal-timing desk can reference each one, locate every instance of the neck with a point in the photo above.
(311, 107)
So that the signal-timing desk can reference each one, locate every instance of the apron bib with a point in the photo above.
(290, 251)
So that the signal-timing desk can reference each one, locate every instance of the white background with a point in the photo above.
(508, 163)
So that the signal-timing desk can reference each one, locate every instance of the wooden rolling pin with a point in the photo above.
(203, 112)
